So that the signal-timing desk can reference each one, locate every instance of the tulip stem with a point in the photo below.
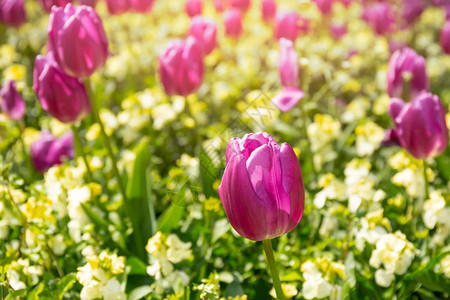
(273, 269)
(425, 177)
(80, 151)
(407, 77)
(96, 114)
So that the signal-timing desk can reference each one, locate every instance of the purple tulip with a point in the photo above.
(287, 98)
(49, 151)
(406, 60)
(48, 4)
(288, 65)
(420, 125)
(205, 32)
(181, 67)
(242, 5)
(412, 9)
(12, 12)
(289, 24)
(233, 22)
(118, 7)
(141, 6)
(62, 96)
(78, 40)
(325, 6)
(194, 7)
(268, 10)
(445, 37)
(380, 16)
(262, 188)
(12, 103)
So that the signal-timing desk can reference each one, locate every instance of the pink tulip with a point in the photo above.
(420, 125)
(12, 12)
(338, 30)
(262, 188)
(49, 151)
(325, 6)
(406, 60)
(242, 5)
(12, 103)
(141, 6)
(205, 32)
(445, 37)
(48, 4)
(268, 10)
(380, 16)
(118, 7)
(233, 22)
(289, 24)
(220, 5)
(91, 3)
(287, 98)
(78, 40)
(62, 96)
(288, 64)
(194, 7)
(181, 67)
(412, 9)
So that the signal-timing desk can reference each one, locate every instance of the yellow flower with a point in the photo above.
(15, 72)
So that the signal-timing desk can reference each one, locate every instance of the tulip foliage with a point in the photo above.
(224, 149)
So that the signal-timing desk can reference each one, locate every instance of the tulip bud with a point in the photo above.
(220, 5)
(288, 64)
(77, 39)
(117, 7)
(48, 4)
(181, 67)
(380, 16)
(402, 61)
(242, 5)
(12, 12)
(62, 96)
(420, 125)
(194, 7)
(262, 188)
(233, 22)
(48, 151)
(12, 103)
(445, 37)
(325, 6)
(141, 6)
(287, 98)
(205, 32)
(268, 10)
(289, 24)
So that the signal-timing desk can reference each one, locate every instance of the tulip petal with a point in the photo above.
(287, 98)
(395, 107)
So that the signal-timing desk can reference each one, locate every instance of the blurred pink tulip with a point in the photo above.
(445, 37)
(205, 32)
(380, 16)
(268, 10)
(233, 22)
(288, 25)
(48, 4)
(325, 6)
(141, 6)
(12, 12)
(11, 102)
(242, 5)
(288, 64)
(49, 151)
(118, 7)
(338, 30)
(194, 7)
(287, 98)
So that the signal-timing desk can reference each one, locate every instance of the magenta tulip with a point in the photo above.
(412, 9)
(78, 40)
(325, 6)
(220, 5)
(181, 67)
(118, 7)
(445, 37)
(48, 4)
(262, 188)
(338, 30)
(242, 5)
(380, 16)
(205, 32)
(48, 151)
(62, 96)
(420, 125)
(268, 10)
(288, 64)
(12, 12)
(287, 98)
(233, 22)
(406, 60)
(141, 6)
(91, 3)
(289, 24)
(12, 103)
(194, 7)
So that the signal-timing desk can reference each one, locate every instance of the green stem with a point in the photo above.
(96, 114)
(425, 177)
(80, 151)
(273, 269)
(407, 77)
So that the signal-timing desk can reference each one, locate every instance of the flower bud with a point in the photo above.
(233, 22)
(181, 67)
(268, 10)
(12, 103)
(289, 24)
(262, 188)
(62, 96)
(48, 151)
(77, 39)
(12, 12)
(205, 32)
(194, 7)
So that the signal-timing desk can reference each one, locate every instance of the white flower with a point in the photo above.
(93, 290)
(384, 278)
(112, 290)
(318, 288)
(435, 210)
(178, 250)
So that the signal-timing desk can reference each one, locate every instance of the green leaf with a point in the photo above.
(170, 218)
(65, 284)
(208, 174)
(139, 204)
(140, 292)
(431, 280)
(16, 295)
(367, 287)
(137, 266)
(291, 276)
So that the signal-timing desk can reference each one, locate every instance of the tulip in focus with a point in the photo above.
(141, 6)
(406, 60)
(268, 10)
(48, 151)
(77, 39)
(242, 5)
(194, 7)
(420, 126)
(62, 96)
(289, 24)
(380, 16)
(12, 12)
(181, 67)
(233, 22)
(325, 6)
(11, 102)
(445, 37)
(262, 188)
(205, 32)
(48, 4)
